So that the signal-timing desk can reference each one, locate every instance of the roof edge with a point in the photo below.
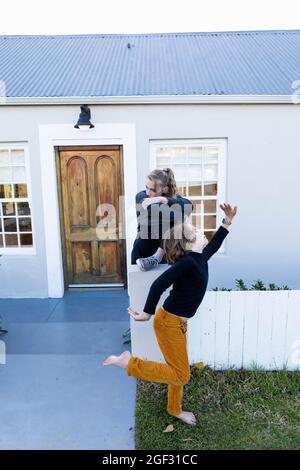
(149, 99)
(173, 33)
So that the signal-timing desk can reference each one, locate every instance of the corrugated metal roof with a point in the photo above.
(209, 63)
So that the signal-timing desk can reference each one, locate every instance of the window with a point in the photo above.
(199, 169)
(15, 212)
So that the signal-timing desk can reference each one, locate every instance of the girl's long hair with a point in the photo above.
(164, 177)
(177, 240)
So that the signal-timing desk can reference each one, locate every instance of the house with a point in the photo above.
(220, 108)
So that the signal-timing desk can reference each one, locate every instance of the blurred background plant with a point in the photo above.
(127, 337)
(257, 285)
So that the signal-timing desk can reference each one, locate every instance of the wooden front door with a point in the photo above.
(93, 245)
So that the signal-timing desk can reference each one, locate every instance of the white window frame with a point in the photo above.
(20, 251)
(222, 143)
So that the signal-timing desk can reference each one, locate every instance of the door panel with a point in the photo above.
(94, 253)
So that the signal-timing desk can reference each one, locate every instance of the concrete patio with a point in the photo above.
(54, 393)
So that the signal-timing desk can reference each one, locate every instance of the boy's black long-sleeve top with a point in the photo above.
(189, 276)
(159, 216)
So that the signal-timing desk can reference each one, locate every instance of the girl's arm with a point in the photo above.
(165, 280)
(216, 241)
(218, 238)
(230, 214)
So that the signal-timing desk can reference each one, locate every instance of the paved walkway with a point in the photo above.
(54, 393)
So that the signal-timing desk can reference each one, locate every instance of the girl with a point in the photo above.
(161, 189)
(188, 255)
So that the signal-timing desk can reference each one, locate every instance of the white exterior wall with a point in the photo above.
(263, 168)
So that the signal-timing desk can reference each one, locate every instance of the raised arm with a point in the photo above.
(216, 241)
(213, 246)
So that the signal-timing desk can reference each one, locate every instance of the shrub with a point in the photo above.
(258, 285)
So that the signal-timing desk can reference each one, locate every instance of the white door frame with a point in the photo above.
(53, 135)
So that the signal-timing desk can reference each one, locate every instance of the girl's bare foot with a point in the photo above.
(120, 361)
(187, 417)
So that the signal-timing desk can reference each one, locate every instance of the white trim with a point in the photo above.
(52, 135)
(222, 143)
(149, 99)
(20, 251)
(98, 286)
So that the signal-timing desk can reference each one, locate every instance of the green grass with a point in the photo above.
(235, 409)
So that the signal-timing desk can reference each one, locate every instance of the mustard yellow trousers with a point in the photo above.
(170, 332)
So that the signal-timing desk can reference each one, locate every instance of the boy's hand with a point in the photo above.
(146, 202)
(138, 316)
(229, 211)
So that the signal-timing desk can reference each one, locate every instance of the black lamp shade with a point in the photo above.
(84, 117)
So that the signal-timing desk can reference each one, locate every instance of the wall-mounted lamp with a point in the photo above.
(84, 118)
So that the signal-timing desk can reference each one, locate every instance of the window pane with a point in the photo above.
(195, 154)
(211, 154)
(179, 154)
(209, 235)
(5, 191)
(1, 240)
(180, 172)
(196, 221)
(0, 225)
(10, 225)
(17, 157)
(4, 157)
(210, 172)
(163, 162)
(164, 152)
(210, 206)
(25, 224)
(195, 190)
(19, 173)
(20, 190)
(197, 205)
(210, 189)
(5, 174)
(165, 155)
(8, 208)
(26, 239)
(11, 240)
(181, 189)
(23, 208)
(210, 221)
(195, 172)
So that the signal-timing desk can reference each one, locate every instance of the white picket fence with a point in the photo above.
(230, 329)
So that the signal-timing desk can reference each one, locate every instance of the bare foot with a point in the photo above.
(120, 361)
(187, 417)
